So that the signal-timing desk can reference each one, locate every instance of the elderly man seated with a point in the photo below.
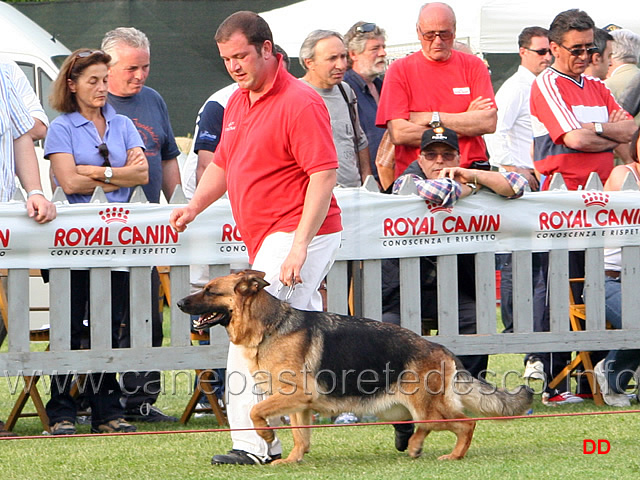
(440, 180)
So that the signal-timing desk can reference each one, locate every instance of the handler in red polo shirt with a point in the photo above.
(277, 160)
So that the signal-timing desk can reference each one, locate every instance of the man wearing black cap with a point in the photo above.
(441, 181)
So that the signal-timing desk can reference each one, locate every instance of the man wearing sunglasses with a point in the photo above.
(576, 125)
(510, 145)
(576, 121)
(366, 64)
(437, 86)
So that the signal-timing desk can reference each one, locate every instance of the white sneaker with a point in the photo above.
(346, 417)
(202, 406)
(534, 369)
(610, 397)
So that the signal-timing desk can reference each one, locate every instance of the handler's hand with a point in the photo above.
(41, 209)
(180, 218)
(292, 266)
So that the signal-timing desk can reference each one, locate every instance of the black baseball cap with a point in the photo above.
(439, 135)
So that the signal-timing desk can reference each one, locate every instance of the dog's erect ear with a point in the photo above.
(251, 283)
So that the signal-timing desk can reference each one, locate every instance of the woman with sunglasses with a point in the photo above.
(90, 146)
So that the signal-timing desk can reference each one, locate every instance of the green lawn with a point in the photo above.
(529, 448)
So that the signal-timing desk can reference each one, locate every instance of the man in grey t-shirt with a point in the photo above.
(324, 57)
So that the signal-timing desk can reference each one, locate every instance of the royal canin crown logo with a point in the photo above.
(433, 208)
(114, 214)
(598, 199)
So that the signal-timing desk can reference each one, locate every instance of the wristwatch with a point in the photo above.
(473, 187)
(108, 173)
(435, 120)
(598, 128)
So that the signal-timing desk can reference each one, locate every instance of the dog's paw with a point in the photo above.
(415, 452)
(450, 456)
(286, 461)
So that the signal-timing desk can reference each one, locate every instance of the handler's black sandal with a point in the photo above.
(240, 457)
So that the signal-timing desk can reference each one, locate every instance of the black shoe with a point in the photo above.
(403, 434)
(148, 413)
(240, 457)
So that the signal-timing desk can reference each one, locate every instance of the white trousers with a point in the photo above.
(241, 397)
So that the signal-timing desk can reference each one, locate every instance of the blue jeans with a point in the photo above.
(619, 365)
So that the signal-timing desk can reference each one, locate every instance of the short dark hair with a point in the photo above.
(600, 39)
(524, 39)
(573, 19)
(250, 24)
(62, 98)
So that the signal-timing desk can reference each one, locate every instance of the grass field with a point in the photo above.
(533, 448)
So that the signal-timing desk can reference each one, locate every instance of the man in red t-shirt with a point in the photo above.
(576, 121)
(437, 86)
(277, 160)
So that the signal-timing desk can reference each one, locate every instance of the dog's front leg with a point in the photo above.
(276, 405)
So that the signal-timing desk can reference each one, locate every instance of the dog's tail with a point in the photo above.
(486, 399)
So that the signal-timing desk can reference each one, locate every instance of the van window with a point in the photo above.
(29, 69)
(45, 91)
(58, 60)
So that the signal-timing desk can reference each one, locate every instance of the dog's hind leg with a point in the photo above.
(464, 434)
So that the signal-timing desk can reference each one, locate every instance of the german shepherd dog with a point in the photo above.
(329, 363)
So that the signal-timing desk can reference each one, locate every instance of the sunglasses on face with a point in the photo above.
(366, 28)
(576, 52)
(104, 153)
(541, 51)
(446, 156)
(82, 55)
(431, 35)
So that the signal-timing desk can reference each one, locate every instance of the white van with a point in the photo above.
(38, 54)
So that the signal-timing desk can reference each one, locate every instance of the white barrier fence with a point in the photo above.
(100, 236)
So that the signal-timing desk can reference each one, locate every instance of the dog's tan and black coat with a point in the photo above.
(329, 363)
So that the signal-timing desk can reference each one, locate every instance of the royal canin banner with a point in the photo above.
(375, 226)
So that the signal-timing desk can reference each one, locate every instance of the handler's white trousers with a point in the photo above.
(321, 254)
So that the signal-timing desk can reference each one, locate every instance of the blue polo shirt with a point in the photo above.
(367, 108)
(72, 133)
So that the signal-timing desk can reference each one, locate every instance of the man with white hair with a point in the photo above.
(128, 94)
(366, 63)
(624, 59)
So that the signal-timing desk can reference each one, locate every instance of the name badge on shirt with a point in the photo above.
(462, 91)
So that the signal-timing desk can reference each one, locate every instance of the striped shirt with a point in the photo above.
(15, 121)
(560, 104)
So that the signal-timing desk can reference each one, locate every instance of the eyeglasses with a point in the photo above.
(446, 156)
(431, 35)
(576, 52)
(84, 54)
(366, 28)
(104, 153)
(540, 51)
